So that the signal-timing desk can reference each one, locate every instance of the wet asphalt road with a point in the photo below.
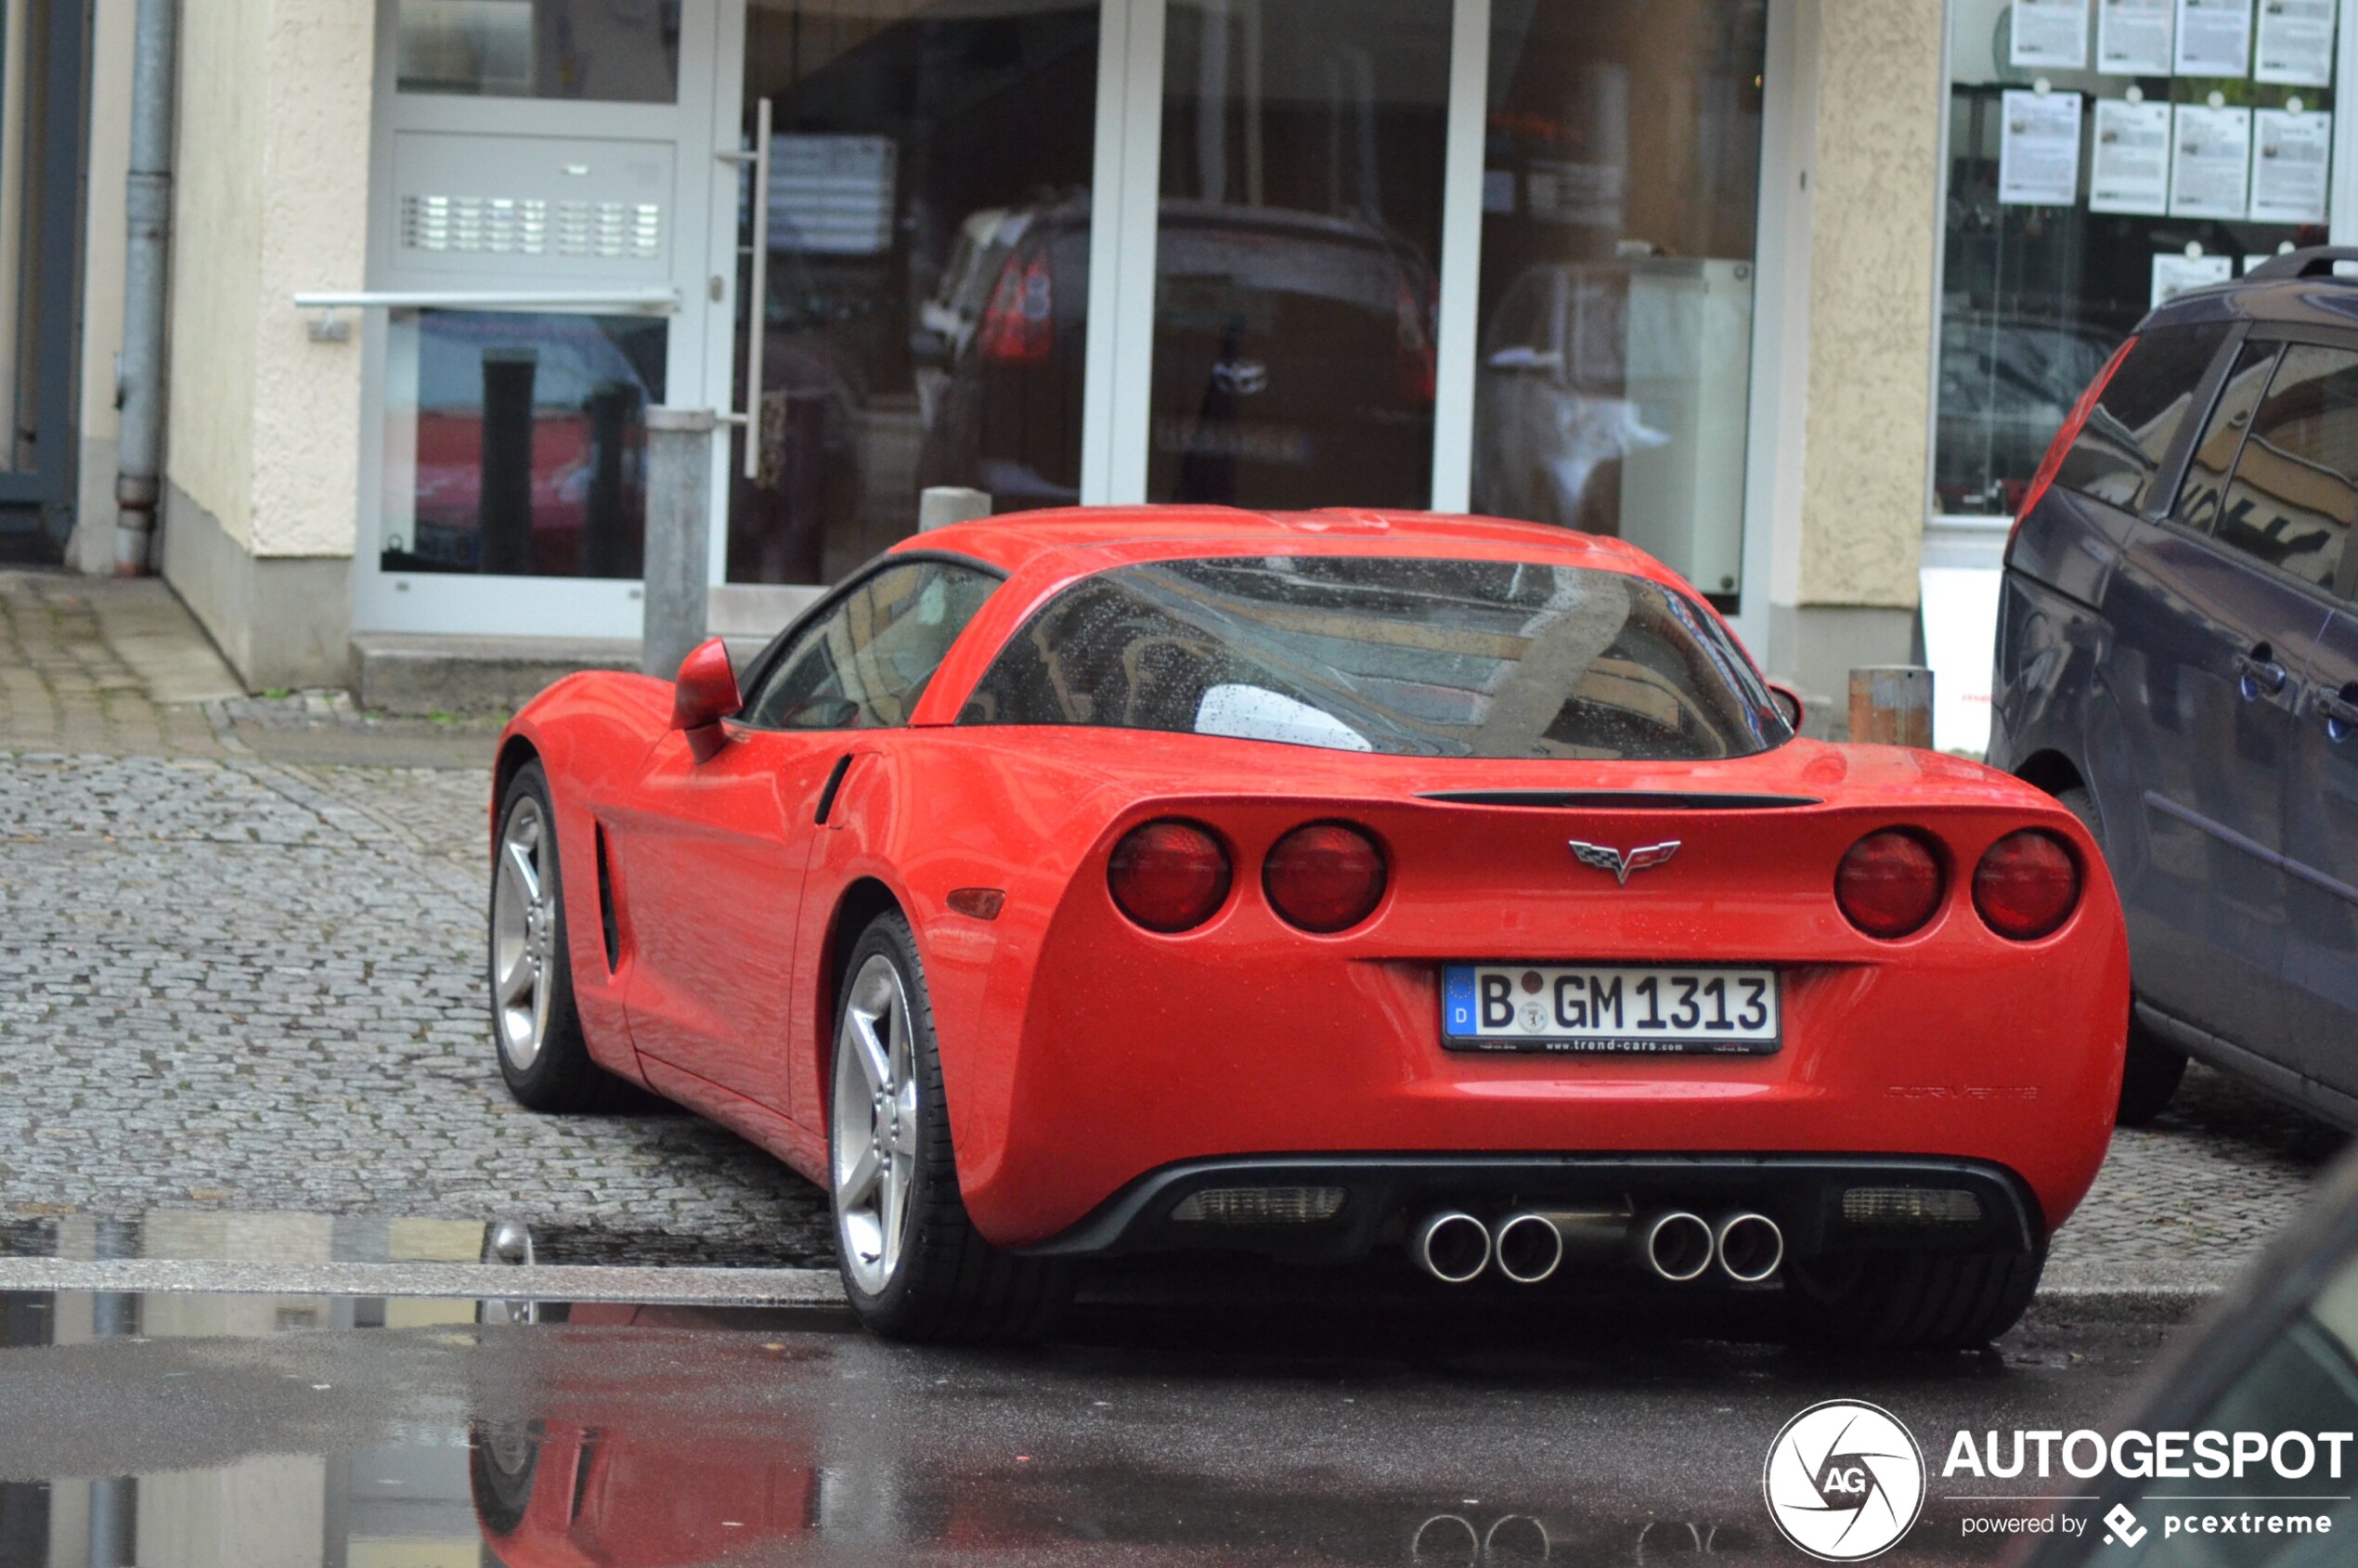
(261, 1431)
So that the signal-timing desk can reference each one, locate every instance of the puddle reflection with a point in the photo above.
(285, 1431)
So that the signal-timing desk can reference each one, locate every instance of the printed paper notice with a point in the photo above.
(2132, 37)
(2211, 155)
(2288, 165)
(2050, 33)
(2214, 37)
(2296, 43)
(2174, 274)
(2130, 172)
(2039, 150)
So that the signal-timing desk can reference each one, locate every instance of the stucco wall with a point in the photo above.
(271, 195)
(1876, 177)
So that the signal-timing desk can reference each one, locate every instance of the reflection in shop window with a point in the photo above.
(1619, 199)
(1294, 274)
(515, 445)
(617, 51)
(928, 268)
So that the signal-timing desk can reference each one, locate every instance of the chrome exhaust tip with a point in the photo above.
(1750, 1247)
(1677, 1245)
(1452, 1246)
(1529, 1247)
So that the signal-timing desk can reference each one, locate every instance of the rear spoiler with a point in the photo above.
(2318, 261)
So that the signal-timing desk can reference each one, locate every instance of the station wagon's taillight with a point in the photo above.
(1019, 325)
(1169, 875)
(1889, 884)
(2026, 886)
(1325, 878)
(2057, 449)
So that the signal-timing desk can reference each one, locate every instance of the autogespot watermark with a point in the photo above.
(1845, 1482)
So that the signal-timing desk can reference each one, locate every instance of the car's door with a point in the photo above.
(2286, 515)
(727, 825)
(2191, 784)
(2320, 849)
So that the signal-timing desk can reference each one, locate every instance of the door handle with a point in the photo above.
(757, 300)
(2341, 713)
(2258, 674)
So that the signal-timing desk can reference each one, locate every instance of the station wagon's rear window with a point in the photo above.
(2120, 448)
(1396, 655)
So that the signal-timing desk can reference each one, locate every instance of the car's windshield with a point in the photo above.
(1399, 656)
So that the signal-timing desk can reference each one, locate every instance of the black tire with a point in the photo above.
(2150, 1074)
(560, 1076)
(951, 1286)
(1910, 1301)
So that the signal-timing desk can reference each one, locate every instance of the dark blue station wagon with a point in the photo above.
(2177, 660)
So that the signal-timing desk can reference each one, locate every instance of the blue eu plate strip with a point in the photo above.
(1457, 999)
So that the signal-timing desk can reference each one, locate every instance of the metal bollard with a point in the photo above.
(678, 535)
(940, 505)
(1891, 705)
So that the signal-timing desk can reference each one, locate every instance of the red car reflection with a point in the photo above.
(571, 1494)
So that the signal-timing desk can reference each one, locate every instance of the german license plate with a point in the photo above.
(1609, 1010)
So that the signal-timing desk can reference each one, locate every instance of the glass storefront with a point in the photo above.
(1620, 202)
(2096, 166)
(1314, 194)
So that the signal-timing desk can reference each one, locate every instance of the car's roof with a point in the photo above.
(1095, 537)
(2281, 291)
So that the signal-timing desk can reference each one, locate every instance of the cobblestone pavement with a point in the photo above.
(249, 986)
(234, 975)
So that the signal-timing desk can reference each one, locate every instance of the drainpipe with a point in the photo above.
(140, 379)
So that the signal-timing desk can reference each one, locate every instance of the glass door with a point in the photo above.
(540, 252)
(916, 210)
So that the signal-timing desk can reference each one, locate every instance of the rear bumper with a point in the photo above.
(1384, 1193)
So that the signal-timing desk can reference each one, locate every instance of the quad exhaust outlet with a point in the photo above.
(1749, 1247)
(1676, 1245)
(1530, 1245)
(1452, 1246)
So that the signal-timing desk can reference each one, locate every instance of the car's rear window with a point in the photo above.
(1397, 655)
(2120, 448)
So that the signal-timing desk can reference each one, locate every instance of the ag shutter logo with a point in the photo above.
(1844, 1481)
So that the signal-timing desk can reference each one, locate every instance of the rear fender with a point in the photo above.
(923, 815)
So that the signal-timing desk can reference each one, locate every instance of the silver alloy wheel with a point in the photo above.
(874, 1117)
(524, 934)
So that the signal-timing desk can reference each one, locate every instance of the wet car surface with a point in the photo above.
(262, 1427)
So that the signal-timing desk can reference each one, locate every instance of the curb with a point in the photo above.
(2077, 1292)
(808, 1288)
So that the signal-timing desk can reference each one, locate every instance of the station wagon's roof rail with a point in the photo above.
(2317, 261)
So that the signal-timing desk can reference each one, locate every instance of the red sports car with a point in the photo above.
(1088, 883)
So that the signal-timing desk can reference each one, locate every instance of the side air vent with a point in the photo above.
(1617, 800)
(607, 924)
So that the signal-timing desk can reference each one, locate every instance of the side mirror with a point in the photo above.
(1788, 703)
(706, 692)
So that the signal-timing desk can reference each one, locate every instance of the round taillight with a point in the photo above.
(1324, 877)
(1889, 884)
(1169, 875)
(2026, 886)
